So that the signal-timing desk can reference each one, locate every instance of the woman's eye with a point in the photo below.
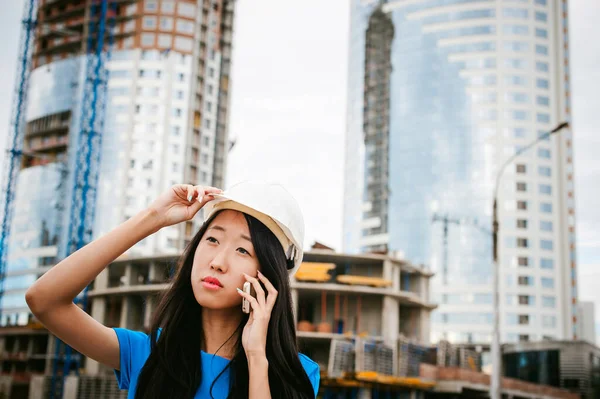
(212, 239)
(242, 250)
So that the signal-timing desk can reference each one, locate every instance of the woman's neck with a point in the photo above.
(218, 326)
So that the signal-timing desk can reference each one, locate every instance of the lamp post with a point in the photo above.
(495, 386)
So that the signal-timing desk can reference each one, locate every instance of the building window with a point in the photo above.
(166, 23)
(540, 2)
(206, 141)
(521, 186)
(522, 243)
(176, 130)
(515, 29)
(541, 66)
(148, 39)
(184, 26)
(539, 32)
(542, 83)
(544, 171)
(526, 300)
(204, 159)
(546, 207)
(541, 49)
(525, 280)
(164, 41)
(543, 118)
(542, 100)
(548, 302)
(521, 223)
(545, 189)
(515, 13)
(211, 72)
(519, 98)
(523, 319)
(546, 244)
(167, 7)
(208, 106)
(521, 168)
(179, 94)
(177, 112)
(547, 282)
(544, 153)
(518, 47)
(183, 43)
(548, 321)
(541, 16)
(545, 225)
(149, 23)
(522, 205)
(180, 77)
(209, 89)
(175, 167)
(546, 263)
(516, 63)
(151, 5)
(523, 261)
(515, 80)
(186, 9)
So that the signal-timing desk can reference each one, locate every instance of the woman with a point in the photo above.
(201, 344)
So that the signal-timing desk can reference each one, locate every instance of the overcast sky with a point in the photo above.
(288, 109)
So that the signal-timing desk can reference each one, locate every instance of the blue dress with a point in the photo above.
(134, 348)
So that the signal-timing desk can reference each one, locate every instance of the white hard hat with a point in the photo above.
(274, 206)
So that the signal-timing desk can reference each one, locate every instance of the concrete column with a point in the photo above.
(425, 315)
(128, 274)
(71, 387)
(101, 282)
(36, 387)
(134, 274)
(51, 348)
(150, 305)
(389, 273)
(390, 325)
(125, 310)
(153, 272)
(424, 288)
(98, 312)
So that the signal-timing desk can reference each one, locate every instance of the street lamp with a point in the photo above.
(495, 386)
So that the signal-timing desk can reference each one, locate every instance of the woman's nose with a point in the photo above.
(219, 262)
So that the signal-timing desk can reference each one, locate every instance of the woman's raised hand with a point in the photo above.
(181, 202)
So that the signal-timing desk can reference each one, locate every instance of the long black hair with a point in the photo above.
(174, 367)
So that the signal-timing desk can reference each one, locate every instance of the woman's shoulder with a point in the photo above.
(310, 366)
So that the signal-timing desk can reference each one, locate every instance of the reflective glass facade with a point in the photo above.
(469, 84)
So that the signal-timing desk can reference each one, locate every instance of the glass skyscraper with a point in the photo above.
(440, 94)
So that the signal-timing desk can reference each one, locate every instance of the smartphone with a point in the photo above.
(248, 289)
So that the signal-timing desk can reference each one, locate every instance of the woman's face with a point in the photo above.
(223, 254)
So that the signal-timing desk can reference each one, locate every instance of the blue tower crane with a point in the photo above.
(87, 165)
(17, 130)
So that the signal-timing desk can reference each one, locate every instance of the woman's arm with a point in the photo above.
(258, 368)
(51, 297)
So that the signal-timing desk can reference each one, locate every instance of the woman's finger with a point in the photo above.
(190, 192)
(260, 293)
(270, 289)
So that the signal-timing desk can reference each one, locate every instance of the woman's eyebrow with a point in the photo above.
(217, 227)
